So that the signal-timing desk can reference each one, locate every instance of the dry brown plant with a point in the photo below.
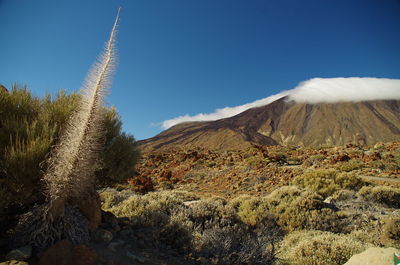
(71, 164)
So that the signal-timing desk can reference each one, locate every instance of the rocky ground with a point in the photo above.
(259, 170)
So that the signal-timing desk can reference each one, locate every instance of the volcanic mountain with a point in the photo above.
(285, 122)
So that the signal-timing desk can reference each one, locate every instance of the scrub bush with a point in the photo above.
(318, 248)
(388, 196)
(297, 209)
(327, 182)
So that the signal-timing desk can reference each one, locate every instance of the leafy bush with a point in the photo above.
(296, 209)
(318, 247)
(212, 212)
(327, 182)
(313, 160)
(382, 194)
(30, 126)
(255, 212)
(291, 208)
(120, 153)
(349, 166)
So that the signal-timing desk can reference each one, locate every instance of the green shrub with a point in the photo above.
(178, 232)
(391, 232)
(110, 197)
(212, 212)
(313, 160)
(327, 182)
(296, 209)
(151, 209)
(378, 164)
(382, 194)
(249, 213)
(237, 201)
(255, 212)
(318, 248)
(120, 153)
(30, 126)
(349, 165)
(343, 195)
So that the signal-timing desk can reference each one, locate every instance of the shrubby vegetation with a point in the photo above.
(209, 228)
(30, 126)
(328, 181)
(291, 225)
(349, 166)
(388, 196)
(313, 160)
(318, 248)
(391, 231)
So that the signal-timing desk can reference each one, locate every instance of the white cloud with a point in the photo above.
(315, 90)
(345, 89)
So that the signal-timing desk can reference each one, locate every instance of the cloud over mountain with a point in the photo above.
(315, 90)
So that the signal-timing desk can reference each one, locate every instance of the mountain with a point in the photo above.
(285, 122)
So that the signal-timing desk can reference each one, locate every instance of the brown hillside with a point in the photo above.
(289, 123)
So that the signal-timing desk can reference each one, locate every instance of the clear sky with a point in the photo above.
(180, 57)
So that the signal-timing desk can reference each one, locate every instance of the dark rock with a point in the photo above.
(60, 254)
(109, 219)
(65, 253)
(84, 255)
(90, 207)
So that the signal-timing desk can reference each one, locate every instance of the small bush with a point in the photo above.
(111, 198)
(178, 232)
(296, 209)
(152, 209)
(255, 212)
(378, 164)
(313, 160)
(343, 195)
(391, 232)
(318, 247)
(237, 201)
(349, 166)
(388, 196)
(211, 213)
(236, 246)
(327, 182)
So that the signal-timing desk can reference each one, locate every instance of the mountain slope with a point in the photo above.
(287, 122)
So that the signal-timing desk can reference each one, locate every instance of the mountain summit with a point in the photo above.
(286, 122)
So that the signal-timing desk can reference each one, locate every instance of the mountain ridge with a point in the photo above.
(285, 122)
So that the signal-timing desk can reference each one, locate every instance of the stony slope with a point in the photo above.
(289, 123)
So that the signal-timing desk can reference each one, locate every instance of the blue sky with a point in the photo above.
(180, 57)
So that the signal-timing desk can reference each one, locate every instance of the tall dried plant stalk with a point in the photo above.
(72, 162)
(71, 166)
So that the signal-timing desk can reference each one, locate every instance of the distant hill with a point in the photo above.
(286, 122)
